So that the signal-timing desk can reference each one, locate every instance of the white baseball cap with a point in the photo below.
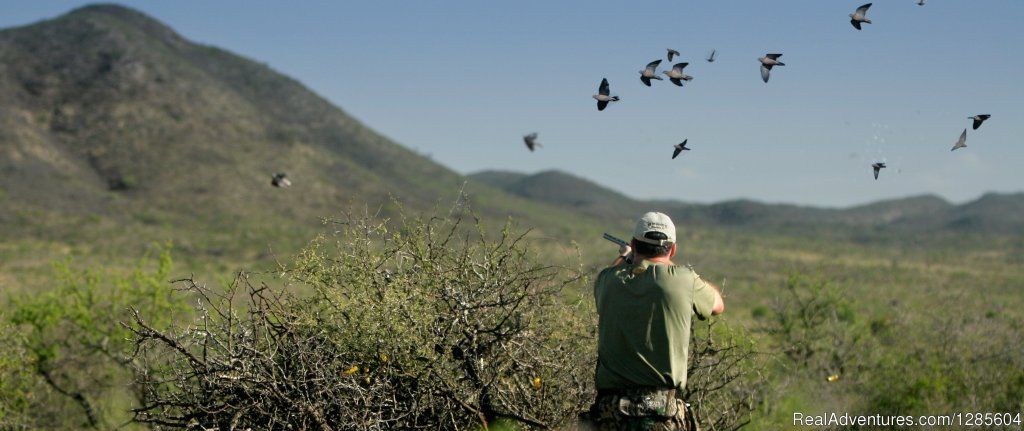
(655, 222)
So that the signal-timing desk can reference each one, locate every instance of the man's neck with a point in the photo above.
(665, 260)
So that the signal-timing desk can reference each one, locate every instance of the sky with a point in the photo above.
(462, 81)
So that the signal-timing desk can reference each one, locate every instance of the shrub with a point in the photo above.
(726, 378)
(16, 380)
(73, 344)
(433, 326)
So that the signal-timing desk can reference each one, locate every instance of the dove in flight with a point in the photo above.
(280, 179)
(859, 17)
(767, 62)
(650, 73)
(603, 96)
(676, 75)
(962, 142)
(877, 167)
(978, 119)
(531, 141)
(679, 148)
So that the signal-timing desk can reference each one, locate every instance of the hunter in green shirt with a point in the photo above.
(645, 303)
(645, 310)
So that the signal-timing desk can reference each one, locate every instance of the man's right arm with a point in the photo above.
(707, 298)
(719, 306)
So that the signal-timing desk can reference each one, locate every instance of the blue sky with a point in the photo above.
(462, 81)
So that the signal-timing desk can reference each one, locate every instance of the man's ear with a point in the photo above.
(672, 251)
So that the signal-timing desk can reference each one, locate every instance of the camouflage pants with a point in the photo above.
(640, 410)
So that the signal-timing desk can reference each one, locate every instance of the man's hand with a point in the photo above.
(625, 255)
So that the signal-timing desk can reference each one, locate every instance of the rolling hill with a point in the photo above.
(992, 213)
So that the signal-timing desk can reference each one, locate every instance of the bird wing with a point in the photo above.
(773, 56)
(962, 142)
(977, 122)
(679, 148)
(646, 80)
(855, 23)
(601, 104)
(863, 9)
(712, 56)
(653, 65)
(765, 71)
(676, 81)
(603, 89)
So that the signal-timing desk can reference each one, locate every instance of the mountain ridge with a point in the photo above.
(992, 212)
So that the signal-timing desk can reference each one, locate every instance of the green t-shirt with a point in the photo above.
(644, 314)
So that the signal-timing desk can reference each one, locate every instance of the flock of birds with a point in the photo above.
(768, 61)
(677, 77)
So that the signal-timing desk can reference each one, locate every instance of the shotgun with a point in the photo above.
(620, 242)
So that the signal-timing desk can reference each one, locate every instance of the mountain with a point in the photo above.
(991, 214)
(114, 104)
(564, 190)
(117, 131)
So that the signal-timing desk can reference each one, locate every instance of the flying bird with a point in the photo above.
(649, 73)
(672, 53)
(962, 142)
(858, 17)
(280, 179)
(676, 75)
(877, 167)
(679, 148)
(602, 95)
(920, 2)
(767, 62)
(978, 119)
(531, 141)
(711, 57)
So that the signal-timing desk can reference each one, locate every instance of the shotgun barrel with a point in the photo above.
(615, 240)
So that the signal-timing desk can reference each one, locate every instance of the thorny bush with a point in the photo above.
(435, 325)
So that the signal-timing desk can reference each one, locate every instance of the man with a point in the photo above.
(645, 303)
